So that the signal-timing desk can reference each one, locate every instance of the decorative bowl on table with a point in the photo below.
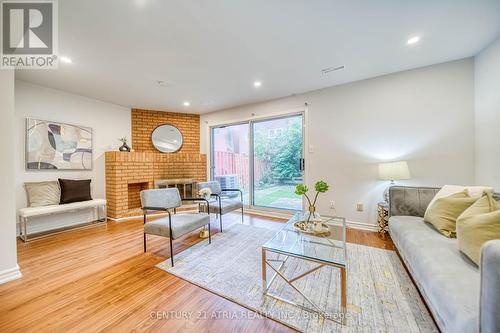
(316, 228)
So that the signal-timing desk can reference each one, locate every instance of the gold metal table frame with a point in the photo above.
(280, 270)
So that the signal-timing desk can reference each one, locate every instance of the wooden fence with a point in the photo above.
(227, 163)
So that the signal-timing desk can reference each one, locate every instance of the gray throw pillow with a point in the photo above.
(43, 193)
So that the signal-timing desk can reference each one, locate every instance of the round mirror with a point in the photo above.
(167, 138)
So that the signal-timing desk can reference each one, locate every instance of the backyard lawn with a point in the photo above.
(281, 196)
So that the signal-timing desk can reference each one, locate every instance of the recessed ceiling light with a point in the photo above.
(65, 60)
(257, 84)
(186, 103)
(413, 40)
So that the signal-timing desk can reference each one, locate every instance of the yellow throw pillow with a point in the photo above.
(443, 213)
(473, 191)
(477, 225)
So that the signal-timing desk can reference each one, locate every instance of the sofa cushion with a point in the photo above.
(443, 213)
(477, 225)
(447, 279)
(410, 201)
(473, 191)
(42, 193)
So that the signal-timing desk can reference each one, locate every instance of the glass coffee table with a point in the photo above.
(328, 249)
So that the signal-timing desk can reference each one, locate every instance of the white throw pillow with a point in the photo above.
(43, 193)
(447, 190)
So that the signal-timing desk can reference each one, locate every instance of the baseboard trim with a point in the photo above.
(361, 226)
(10, 274)
(267, 213)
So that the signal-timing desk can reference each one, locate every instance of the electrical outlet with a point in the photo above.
(332, 204)
(360, 207)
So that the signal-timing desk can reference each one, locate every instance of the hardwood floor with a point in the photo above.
(98, 279)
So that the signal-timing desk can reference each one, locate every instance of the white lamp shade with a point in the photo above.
(393, 171)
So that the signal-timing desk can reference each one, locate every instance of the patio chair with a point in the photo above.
(174, 225)
(219, 204)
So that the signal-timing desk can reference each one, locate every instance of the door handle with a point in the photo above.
(302, 164)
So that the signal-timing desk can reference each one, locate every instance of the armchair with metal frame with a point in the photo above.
(174, 225)
(222, 205)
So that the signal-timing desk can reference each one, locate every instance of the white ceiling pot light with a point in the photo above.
(413, 40)
(257, 84)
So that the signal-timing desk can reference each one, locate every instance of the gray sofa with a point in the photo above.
(461, 297)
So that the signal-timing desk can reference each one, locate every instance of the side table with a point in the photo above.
(383, 217)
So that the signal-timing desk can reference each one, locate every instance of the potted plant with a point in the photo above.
(205, 193)
(124, 146)
(301, 189)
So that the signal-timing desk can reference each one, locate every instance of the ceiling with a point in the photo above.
(210, 52)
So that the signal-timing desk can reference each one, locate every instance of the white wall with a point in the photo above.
(487, 99)
(8, 252)
(425, 116)
(108, 122)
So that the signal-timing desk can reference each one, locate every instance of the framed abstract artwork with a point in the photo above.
(53, 145)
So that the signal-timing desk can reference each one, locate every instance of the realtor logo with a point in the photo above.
(29, 34)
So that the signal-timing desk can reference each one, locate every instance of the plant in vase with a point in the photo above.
(301, 189)
(124, 146)
(205, 193)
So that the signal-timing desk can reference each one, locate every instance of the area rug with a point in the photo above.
(380, 295)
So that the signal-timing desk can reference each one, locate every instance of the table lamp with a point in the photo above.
(393, 171)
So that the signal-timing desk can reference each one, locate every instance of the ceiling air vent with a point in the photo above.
(332, 69)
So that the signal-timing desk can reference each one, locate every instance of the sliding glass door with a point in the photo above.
(277, 158)
(263, 158)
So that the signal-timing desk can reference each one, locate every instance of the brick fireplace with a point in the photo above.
(129, 173)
